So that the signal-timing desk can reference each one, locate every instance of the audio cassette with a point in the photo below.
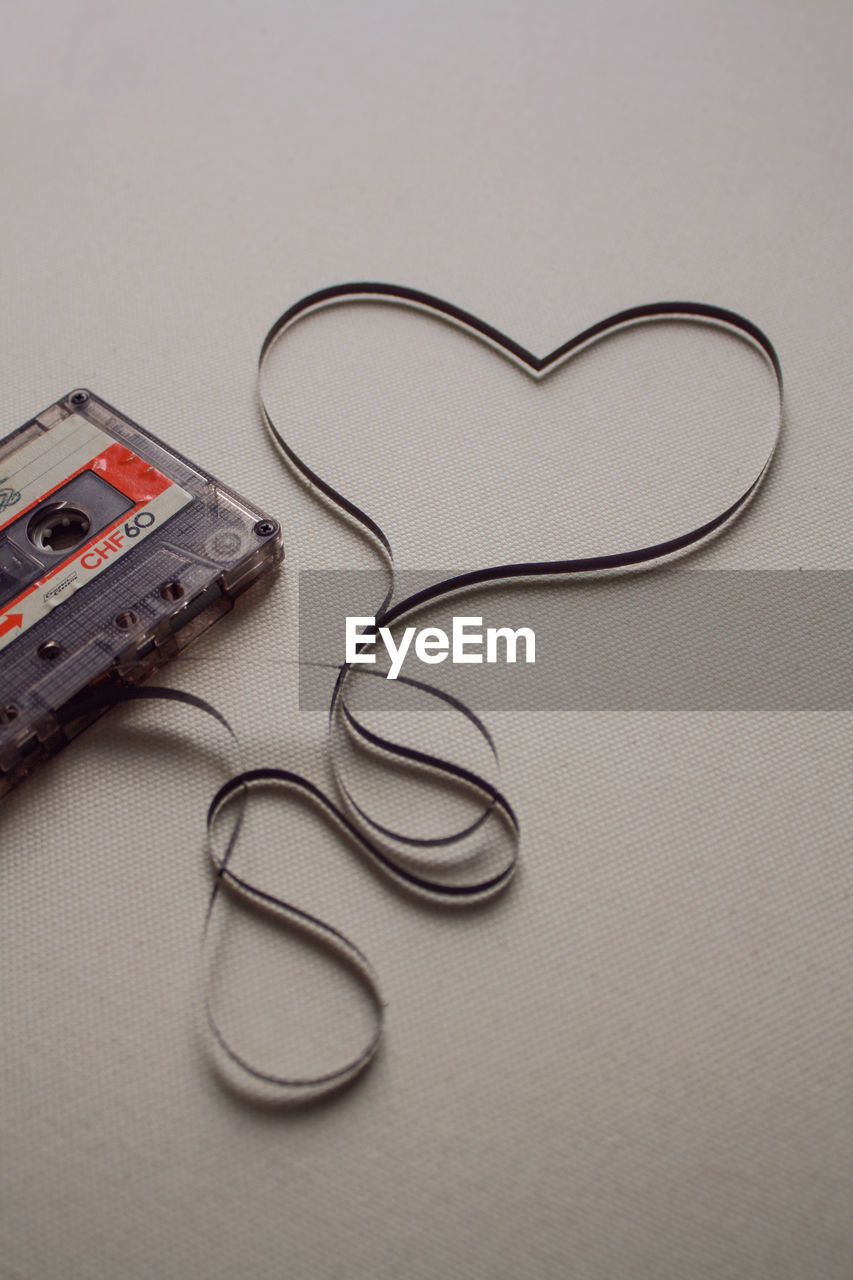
(115, 553)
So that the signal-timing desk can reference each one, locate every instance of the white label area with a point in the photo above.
(45, 462)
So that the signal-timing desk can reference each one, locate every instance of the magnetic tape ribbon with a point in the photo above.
(536, 367)
(395, 852)
(233, 1065)
(341, 714)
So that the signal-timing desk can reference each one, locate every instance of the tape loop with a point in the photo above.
(469, 863)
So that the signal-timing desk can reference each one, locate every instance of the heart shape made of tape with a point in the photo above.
(463, 878)
(489, 502)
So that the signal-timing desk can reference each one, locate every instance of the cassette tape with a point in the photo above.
(115, 553)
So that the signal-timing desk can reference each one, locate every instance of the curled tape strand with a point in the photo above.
(397, 853)
(342, 717)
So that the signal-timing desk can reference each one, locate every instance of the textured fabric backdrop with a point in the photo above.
(637, 1062)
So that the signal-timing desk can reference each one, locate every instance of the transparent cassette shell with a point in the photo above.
(115, 553)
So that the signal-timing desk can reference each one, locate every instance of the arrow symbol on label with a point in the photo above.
(11, 620)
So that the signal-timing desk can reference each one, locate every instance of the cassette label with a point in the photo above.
(80, 483)
(45, 462)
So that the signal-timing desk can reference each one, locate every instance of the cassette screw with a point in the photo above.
(49, 650)
(265, 528)
(79, 397)
(8, 714)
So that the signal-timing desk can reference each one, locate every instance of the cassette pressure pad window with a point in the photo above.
(16, 570)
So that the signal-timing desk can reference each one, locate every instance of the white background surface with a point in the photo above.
(638, 1062)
